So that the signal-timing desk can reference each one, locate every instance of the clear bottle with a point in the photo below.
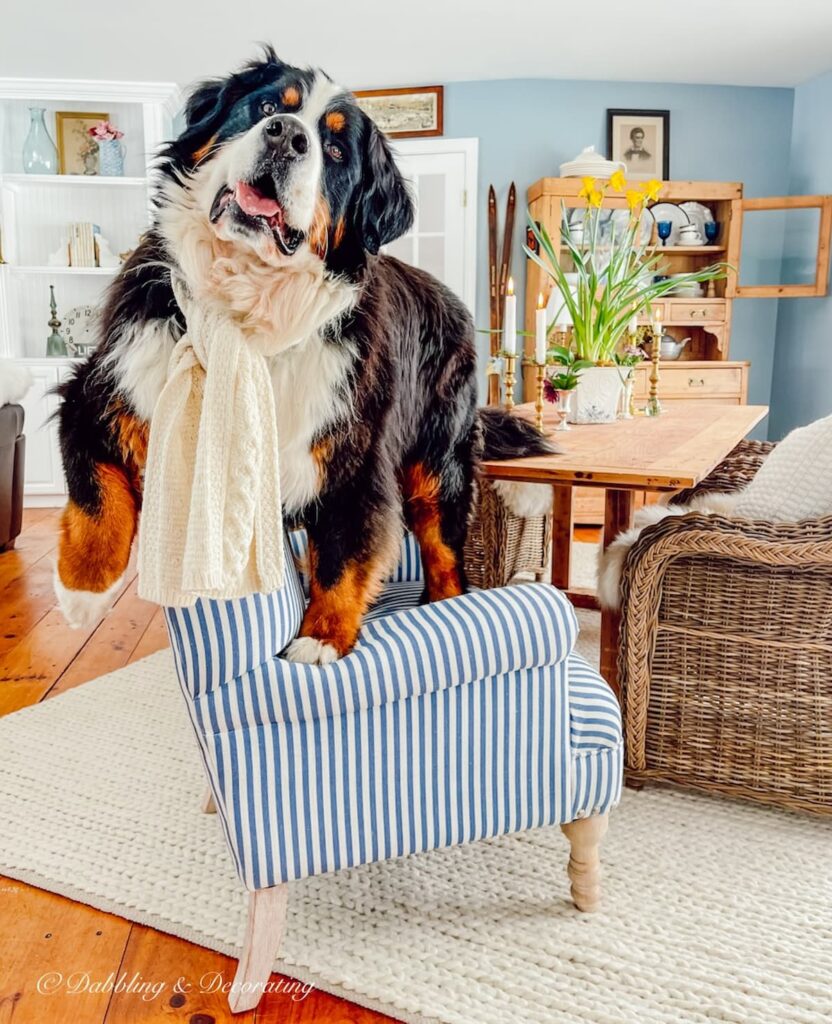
(39, 153)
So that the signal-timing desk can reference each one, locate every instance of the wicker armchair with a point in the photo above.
(500, 544)
(726, 652)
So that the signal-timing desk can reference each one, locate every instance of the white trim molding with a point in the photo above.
(77, 90)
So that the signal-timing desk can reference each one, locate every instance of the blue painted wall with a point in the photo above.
(527, 128)
(802, 389)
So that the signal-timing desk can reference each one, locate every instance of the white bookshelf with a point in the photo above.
(35, 212)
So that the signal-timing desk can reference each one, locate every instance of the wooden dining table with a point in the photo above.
(664, 453)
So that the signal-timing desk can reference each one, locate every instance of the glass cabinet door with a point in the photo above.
(782, 247)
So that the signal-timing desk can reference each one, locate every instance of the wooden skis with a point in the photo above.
(498, 278)
(493, 295)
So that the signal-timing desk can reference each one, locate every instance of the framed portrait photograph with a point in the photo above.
(640, 139)
(405, 113)
(77, 152)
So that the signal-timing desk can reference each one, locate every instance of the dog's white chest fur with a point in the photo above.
(310, 396)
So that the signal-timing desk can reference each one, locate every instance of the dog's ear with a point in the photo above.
(203, 104)
(384, 210)
(210, 102)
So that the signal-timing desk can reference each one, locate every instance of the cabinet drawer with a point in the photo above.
(701, 312)
(682, 381)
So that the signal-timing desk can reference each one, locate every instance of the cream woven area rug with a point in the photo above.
(713, 911)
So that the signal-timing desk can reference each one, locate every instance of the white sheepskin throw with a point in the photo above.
(525, 500)
(15, 381)
(793, 483)
(212, 522)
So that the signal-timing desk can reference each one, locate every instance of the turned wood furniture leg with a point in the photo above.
(584, 835)
(618, 516)
(264, 934)
(208, 806)
(561, 535)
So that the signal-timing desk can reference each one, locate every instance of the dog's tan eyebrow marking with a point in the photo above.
(291, 96)
(335, 121)
(200, 153)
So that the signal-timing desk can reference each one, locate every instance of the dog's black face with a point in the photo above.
(282, 159)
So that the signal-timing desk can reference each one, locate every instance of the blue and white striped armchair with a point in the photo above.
(449, 722)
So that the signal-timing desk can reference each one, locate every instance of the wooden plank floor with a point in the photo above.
(41, 933)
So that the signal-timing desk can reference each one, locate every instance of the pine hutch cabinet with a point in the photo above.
(705, 371)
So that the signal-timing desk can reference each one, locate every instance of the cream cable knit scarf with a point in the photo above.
(212, 523)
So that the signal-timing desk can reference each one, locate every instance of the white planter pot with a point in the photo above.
(597, 395)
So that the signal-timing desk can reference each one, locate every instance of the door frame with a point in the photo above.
(470, 150)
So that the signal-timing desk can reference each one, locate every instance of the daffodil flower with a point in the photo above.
(652, 190)
(634, 199)
(618, 181)
(595, 198)
(588, 189)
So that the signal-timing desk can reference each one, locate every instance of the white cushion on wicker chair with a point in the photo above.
(795, 481)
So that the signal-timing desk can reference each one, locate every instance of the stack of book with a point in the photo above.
(81, 245)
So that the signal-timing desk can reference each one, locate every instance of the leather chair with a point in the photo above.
(12, 454)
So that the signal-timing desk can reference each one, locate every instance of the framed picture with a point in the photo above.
(405, 113)
(77, 152)
(641, 140)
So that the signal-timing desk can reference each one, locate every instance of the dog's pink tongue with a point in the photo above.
(253, 203)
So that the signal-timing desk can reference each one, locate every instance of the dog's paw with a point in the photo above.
(84, 608)
(309, 651)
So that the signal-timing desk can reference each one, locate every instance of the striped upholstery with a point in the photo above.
(408, 570)
(449, 722)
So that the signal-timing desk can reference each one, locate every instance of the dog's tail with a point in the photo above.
(509, 437)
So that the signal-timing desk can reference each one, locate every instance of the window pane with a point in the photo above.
(779, 247)
(402, 248)
(431, 202)
(432, 256)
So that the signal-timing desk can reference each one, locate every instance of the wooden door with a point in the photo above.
(812, 225)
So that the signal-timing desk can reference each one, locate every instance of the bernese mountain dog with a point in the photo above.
(275, 201)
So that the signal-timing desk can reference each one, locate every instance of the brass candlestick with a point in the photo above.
(654, 406)
(538, 405)
(508, 400)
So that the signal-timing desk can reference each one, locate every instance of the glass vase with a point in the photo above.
(39, 153)
(625, 407)
(563, 407)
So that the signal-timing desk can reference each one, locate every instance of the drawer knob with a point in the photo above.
(696, 382)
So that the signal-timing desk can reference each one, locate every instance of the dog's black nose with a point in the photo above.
(287, 137)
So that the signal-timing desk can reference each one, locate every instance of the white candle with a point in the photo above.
(540, 345)
(633, 324)
(510, 320)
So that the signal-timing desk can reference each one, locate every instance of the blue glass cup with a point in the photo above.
(663, 228)
(711, 231)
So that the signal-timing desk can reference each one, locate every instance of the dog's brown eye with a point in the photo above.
(268, 108)
(335, 152)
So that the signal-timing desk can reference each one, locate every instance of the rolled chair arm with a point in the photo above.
(736, 471)
(415, 651)
(807, 544)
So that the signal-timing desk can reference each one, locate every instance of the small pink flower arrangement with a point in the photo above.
(103, 131)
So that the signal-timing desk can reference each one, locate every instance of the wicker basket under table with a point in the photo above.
(726, 652)
(501, 545)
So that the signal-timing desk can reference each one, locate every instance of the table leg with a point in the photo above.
(618, 516)
(561, 535)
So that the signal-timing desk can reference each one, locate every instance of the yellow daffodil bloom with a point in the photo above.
(618, 181)
(588, 189)
(634, 199)
(595, 197)
(652, 190)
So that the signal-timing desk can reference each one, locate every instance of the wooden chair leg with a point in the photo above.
(264, 934)
(208, 806)
(584, 835)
